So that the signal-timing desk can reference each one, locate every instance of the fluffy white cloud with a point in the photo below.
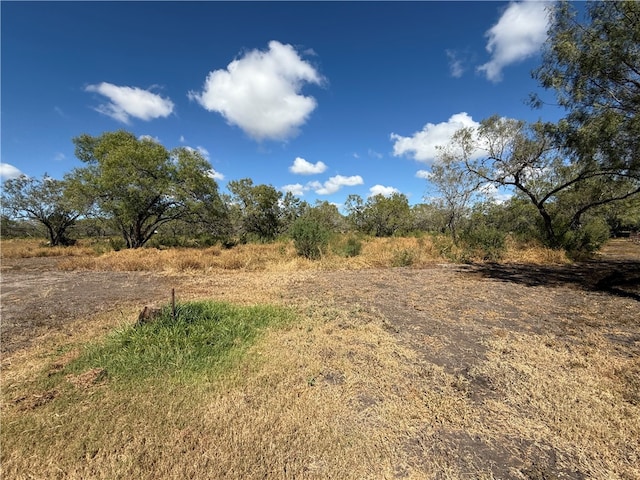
(421, 146)
(425, 174)
(519, 34)
(216, 175)
(150, 138)
(127, 102)
(8, 171)
(295, 188)
(260, 92)
(334, 184)
(302, 167)
(382, 190)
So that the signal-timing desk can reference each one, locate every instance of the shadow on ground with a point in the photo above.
(615, 277)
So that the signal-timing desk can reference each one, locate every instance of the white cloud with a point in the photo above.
(8, 171)
(201, 150)
(335, 183)
(260, 92)
(456, 67)
(127, 102)
(382, 190)
(216, 175)
(59, 157)
(302, 167)
(519, 34)
(372, 153)
(421, 146)
(182, 140)
(150, 138)
(295, 188)
(425, 174)
(494, 194)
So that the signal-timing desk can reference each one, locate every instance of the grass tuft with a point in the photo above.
(204, 339)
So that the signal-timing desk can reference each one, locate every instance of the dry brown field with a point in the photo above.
(524, 369)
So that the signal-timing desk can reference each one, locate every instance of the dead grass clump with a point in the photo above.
(516, 252)
(29, 248)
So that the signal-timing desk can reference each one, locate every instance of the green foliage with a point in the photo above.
(205, 338)
(382, 216)
(586, 239)
(139, 185)
(592, 65)
(256, 210)
(309, 237)
(352, 247)
(486, 241)
(46, 201)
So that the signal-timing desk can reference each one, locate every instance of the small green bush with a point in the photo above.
(352, 247)
(309, 237)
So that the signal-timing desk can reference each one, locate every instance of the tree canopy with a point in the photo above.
(45, 201)
(140, 185)
(593, 68)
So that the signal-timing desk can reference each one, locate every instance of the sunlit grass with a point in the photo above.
(204, 338)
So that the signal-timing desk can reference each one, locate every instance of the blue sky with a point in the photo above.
(324, 99)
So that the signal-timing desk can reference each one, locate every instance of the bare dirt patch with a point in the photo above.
(547, 356)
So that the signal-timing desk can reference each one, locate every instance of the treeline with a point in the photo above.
(574, 182)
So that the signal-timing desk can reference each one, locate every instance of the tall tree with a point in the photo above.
(528, 158)
(455, 185)
(259, 207)
(140, 185)
(593, 67)
(387, 215)
(45, 201)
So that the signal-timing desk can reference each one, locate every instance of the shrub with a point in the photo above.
(403, 258)
(352, 247)
(485, 241)
(309, 238)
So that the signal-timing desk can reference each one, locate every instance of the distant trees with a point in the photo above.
(256, 209)
(139, 185)
(382, 216)
(45, 201)
(572, 172)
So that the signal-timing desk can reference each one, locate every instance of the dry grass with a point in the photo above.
(29, 248)
(330, 397)
(533, 254)
(278, 257)
(339, 393)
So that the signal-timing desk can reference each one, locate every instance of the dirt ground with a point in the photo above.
(599, 297)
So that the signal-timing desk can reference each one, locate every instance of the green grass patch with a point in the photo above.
(203, 340)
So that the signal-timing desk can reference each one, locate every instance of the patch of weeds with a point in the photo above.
(205, 338)
(352, 247)
(403, 258)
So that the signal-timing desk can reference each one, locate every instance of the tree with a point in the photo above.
(139, 185)
(291, 208)
(593, 67)
(387, 215)
(45, 201)
(455, 185)
(354, 205)
(259, 208)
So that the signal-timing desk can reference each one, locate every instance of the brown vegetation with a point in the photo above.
(434, 371)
